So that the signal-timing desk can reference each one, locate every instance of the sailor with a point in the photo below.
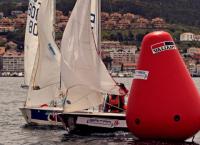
(116, 103)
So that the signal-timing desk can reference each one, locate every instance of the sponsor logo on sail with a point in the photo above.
(51, 49)
(163, 46)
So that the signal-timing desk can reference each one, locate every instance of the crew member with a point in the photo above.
(116, 103)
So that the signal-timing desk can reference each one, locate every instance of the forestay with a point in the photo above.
(84, 74)
(31, 39)
(46, 72)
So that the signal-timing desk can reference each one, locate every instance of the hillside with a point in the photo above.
(173, 11)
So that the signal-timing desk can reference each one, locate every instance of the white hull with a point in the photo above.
(42, 116)
(94, 121)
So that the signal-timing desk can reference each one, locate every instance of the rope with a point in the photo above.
(94, 41)
(114, 106)
(56, 83)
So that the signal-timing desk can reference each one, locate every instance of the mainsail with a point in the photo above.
(46, 72)
(83, 72)
(31, 39)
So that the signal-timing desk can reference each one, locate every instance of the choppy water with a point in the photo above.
(13, 130)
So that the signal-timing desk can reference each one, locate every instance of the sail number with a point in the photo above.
(92, 20)
(33, 14)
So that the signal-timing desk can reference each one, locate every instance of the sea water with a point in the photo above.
(13, 130)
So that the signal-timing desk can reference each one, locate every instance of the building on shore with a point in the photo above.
(187, 36)
(5, 29)
(12, 63)
(1, 64)
(116, 55)
(158, 23)
(17, 12)
(192, 50)
(2, 51)
(124, 55)
(129, 67)
(198, 70)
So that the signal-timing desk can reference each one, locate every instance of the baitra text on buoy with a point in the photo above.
(164, 102)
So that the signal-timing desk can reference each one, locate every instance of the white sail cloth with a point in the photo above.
(48, 67)
(83, 72)
(46, 72)
(31, 39)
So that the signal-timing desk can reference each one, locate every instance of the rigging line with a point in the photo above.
(95, 41)
(98, 47)
(115, 106)
(37, 64)
(73, 86)
(60, 82)
(84, 97)
(67, 90)
(93, 89)
(49, 85)
(101, 60)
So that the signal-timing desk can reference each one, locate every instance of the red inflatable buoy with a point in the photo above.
(164, 102)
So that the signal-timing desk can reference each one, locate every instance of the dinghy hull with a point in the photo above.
(93, 122)
(41, 116)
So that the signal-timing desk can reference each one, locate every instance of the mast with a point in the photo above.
(54, 18)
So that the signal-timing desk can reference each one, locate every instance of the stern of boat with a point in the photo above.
(41, 116)
(93, 122)
(26, 114)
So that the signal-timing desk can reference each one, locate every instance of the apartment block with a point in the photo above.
(12, 61)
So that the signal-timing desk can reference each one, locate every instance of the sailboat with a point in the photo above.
(87, 78)
(42, 66)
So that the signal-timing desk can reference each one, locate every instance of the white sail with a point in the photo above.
(83, 72)
(46, 72)
(31, 39)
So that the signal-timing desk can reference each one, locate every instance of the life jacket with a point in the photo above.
(114, 101)
(125, 103)
(125, 107)
(43, 105)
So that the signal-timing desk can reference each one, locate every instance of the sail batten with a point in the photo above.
(82, 70)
